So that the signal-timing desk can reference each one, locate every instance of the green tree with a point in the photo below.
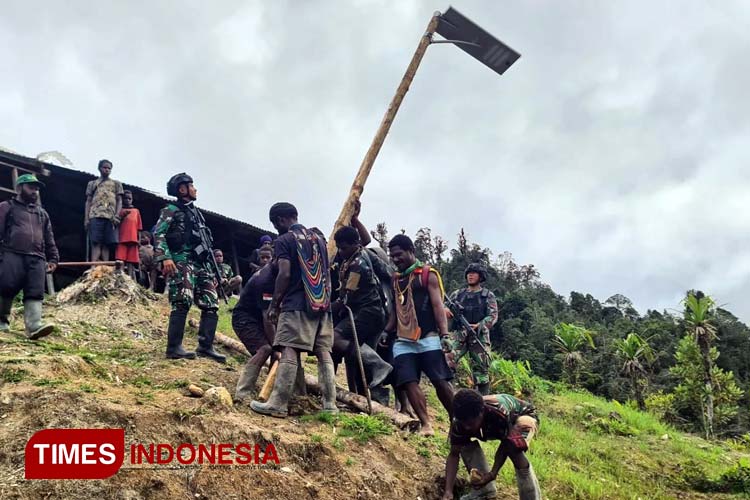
(698, 310)
(689, 395)
(570, 340)
(634, 351)
(380, 234)
(423, 247)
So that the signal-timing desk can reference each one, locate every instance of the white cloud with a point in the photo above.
(612, 155)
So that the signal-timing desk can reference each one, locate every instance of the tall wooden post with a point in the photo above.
(364, 169)
(235, 260)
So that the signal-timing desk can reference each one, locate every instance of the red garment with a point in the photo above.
(128, 253)
(130, 225)
(127, 248)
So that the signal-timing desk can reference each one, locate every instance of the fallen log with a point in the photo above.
(354, 401)
(359, 403)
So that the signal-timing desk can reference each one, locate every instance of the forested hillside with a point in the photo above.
(649, 355)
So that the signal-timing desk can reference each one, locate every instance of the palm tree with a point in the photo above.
(570, 340)
(634, 350)
(698, 309)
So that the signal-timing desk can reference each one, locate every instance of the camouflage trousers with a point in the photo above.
(479, 362)
(194, 282)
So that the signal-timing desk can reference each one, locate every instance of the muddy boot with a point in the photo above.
(277, 404)
(246, 384)
(300, 387)
(381, 394)
(528, 486)
(175, 332)
(484, 389)
(206, 334)
(5, 305)
(32, 316)
(474, 458)
(327, 381)
(374, 365)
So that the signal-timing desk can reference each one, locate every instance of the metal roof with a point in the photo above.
(45, 168)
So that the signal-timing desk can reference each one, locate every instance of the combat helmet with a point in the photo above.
(173, 184)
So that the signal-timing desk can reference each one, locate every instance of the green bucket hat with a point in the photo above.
(29, 179)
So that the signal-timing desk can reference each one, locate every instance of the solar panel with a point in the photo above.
(476, 42)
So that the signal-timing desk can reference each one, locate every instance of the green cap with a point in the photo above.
(28, 179)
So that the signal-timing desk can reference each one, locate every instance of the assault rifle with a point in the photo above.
(206, 246)
(458, 313)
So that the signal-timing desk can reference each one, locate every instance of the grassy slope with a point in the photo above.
(114, 370)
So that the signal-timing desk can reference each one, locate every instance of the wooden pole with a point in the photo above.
(358, 185)
(235, 260)
(88, 264)
(265, 391)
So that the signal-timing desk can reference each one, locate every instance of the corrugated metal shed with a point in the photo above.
(64, 197)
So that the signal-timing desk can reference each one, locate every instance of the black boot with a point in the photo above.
(206, 334)
(5, 305)
(376, 368)
(381, 394)
(175, 332)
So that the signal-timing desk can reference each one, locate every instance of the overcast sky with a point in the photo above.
(613, 155)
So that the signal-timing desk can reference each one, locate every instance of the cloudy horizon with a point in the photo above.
(610, 155)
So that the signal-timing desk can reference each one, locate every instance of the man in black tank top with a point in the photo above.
(422, 330)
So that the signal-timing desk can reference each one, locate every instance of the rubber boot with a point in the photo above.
(484, 389)
(175, 332)
(32, 316)
(381, 394)
(206, 334)
(278, 403)
(300, 387)
(528, 486)
(374, 365)
(327, 380)
(246, 384)
(474, 458)
(5, 305)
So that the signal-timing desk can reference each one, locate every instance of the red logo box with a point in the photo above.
(74, 453)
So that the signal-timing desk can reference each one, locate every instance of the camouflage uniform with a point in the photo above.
(226, 271)
(478, 361)
(194, 282)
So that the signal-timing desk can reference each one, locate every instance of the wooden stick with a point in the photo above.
(265, 392)
(86, 264)
(358, 185)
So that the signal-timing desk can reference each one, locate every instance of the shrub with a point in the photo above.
(512, 377)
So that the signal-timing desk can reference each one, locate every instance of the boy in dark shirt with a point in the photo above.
(502, 417)
(252, 327)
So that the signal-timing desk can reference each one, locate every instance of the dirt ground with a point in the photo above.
(105, 368)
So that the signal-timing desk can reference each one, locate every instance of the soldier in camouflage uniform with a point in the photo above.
(232, 284)
(480, 310)
(185, 265)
